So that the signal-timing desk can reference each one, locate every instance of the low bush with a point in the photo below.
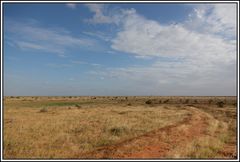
(117, 131)
(166, 101)
(129, 104)
(78, 106)
(220, 103)
(44, 109)
(148, 102)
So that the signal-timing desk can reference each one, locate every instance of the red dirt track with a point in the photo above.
(158, 143)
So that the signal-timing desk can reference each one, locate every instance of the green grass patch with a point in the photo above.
(40, 104)
(62, 103)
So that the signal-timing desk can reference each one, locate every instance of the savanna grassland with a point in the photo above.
(119, 127)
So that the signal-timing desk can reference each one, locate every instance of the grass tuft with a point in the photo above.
(44, 109)
(117, 131)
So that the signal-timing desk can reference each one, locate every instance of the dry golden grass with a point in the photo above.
(207, 146)
(67, 127)
(63, 132)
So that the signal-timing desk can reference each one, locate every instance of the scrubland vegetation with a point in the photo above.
(119, 127)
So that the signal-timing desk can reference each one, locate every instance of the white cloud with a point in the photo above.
(174, 78)
(203, 47)
(33, 36)
(28, 45)
(111, 52)
(96, 8)
(105, 15)
(24, 45)
(215, 19)
(71, 5)
(78, 62)
(93, 64)
(54, 65)
(98, 34)
(85, 63)
(99, 17)
(143, 37)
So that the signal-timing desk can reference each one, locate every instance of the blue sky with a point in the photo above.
(119, 49)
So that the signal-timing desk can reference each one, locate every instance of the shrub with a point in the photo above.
(234, 104)
(210, 101)
(148, 102)
(160, 101)
(117, 131)
(78, 106)
(166, 101)
(44, 109)
(129, 104)
(186, 101)
(220, 104)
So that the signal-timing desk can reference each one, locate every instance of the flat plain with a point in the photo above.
(119, 127)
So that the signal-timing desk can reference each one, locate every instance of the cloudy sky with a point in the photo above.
(119, 49)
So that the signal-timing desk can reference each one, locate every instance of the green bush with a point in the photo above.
(78, 106)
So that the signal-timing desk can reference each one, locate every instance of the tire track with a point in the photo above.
(157, 143)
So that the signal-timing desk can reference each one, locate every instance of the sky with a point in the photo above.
(77, 49)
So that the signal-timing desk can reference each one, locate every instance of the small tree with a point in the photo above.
(210, 101)
(186, 101)
(220, 104)
(148, 102)
(195, 101)
(166, 101)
